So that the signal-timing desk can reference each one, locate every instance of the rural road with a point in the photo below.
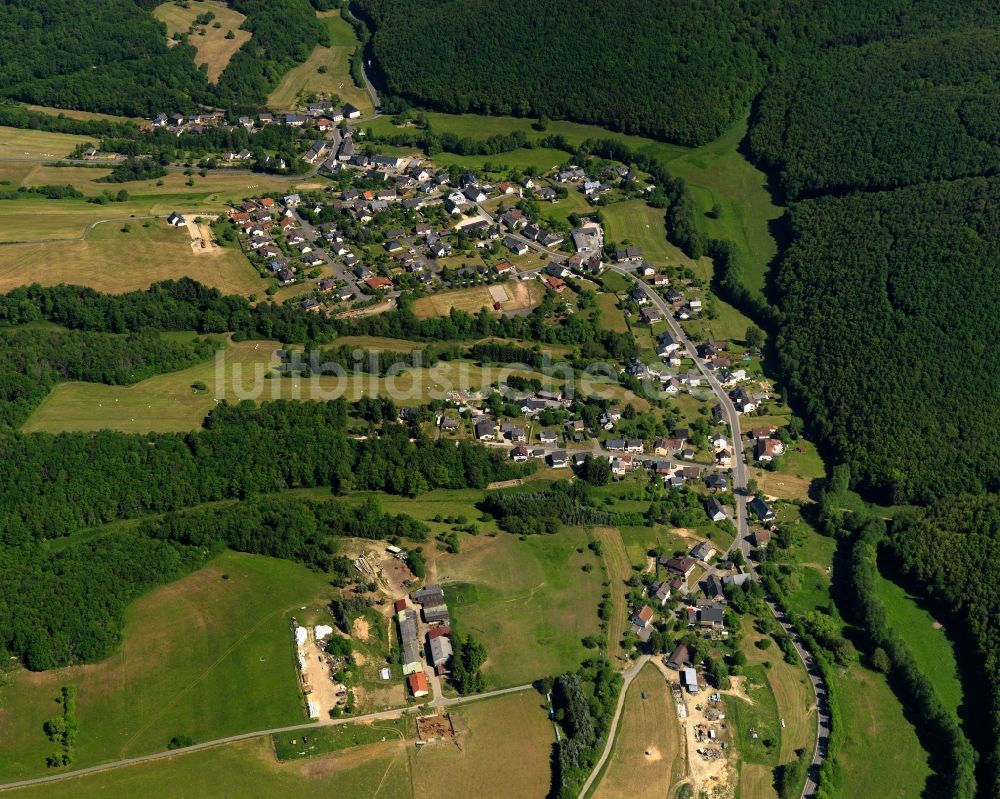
(742, 540)
(629, 675)
(247, 736)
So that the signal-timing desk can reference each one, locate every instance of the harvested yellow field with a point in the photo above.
(520, 295)
(214, 49)
(113, 261)
(16, 143)
(646, 760)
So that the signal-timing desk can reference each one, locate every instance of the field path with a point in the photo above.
(609, 743)
(392, 713)
(619, 568)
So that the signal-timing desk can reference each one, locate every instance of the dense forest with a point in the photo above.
(891, 318)
(112, 56)
(883, 115)
(950, 554)
(682, 71)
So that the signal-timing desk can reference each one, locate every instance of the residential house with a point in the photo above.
(642, 618)
(703, 551)
(682, 566)
(761, 509)
(660, 591)
(559, 459)
(485, 429)
(682, 657)
(715, 510)
(760, 538)
(768, 449)
(516, 246)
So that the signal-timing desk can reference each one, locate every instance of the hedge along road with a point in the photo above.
(246, 736)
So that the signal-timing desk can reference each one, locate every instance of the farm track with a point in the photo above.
(247, 736)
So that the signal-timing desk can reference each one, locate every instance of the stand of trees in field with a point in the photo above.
(949, 554)
(890, 321)
(188, 305)
(65, 606)
(112, 56)
(584, 704)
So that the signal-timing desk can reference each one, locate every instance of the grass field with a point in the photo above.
(22, 143)
(619, 568)
(573, 203)
(33, 218)
(306, 78)
(167, 403)
(73, 113)
(792, 694)
(207, 656)
(506, 744)
(214, 49)
(643, 226)
(521, 295)
(881, 755)
(647, 758)
(612, 317)
(246, 770)
(529, 602)
(292, 745)
(541, 158)
(926, 639)
(718, 173)
(112, 261)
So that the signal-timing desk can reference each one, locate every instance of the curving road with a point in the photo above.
(742, 541)
(247, 736)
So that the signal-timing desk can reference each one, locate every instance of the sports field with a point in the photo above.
(326, 71)
(246, 769)
(925, 638)
(505, 745)
(520, 295)
(214, 49)
(167, 402)
(207, 656)
(113, 261)
(648, 758)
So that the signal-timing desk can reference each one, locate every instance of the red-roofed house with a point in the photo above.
(418, 684)
(379, 283)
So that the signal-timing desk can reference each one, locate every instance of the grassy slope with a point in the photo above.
(166, 402)
(926, 640)
(246, 770)
(619, 569)
(214, 49)
(306, 78)
(205, 656)
(648, 725)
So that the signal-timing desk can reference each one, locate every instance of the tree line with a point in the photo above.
(56, 485)
(948, 554)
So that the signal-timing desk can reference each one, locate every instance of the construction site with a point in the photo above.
(316, 670)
